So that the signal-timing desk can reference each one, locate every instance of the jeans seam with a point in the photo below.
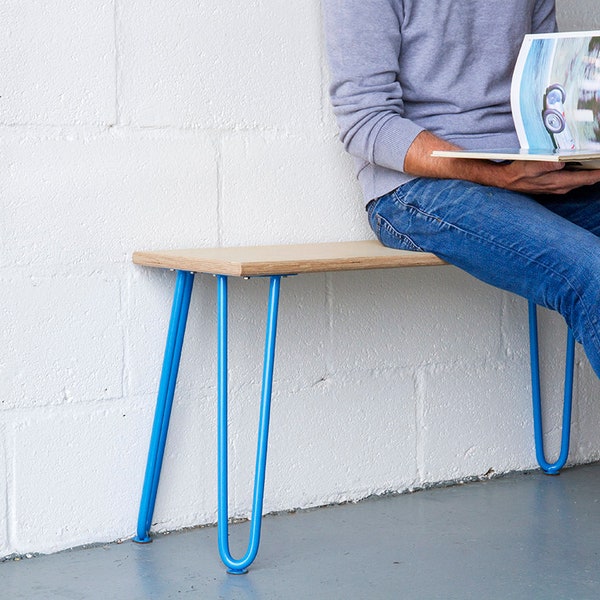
(383, 222)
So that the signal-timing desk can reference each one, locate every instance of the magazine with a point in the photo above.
(555, 101)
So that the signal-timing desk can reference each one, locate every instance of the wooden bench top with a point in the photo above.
(250, 261)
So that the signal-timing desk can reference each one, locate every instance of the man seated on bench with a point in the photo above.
(412, 76)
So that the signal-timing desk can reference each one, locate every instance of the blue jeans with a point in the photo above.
(544, 248)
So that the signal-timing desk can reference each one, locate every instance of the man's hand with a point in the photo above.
(545, 178)
(527, 177)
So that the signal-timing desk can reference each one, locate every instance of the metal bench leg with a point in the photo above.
(164, 402)
(241, 565)
(550, 468)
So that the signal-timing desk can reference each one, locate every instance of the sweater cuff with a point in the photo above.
(393, 141)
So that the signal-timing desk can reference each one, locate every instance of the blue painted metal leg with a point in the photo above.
(241, 565)
(550, 468)
(164, 402)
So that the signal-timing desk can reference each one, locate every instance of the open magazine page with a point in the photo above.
(555, 92)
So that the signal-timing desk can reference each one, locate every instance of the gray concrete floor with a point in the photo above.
(525, 535)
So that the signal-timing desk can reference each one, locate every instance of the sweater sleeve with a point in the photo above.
(363, 42)
(544, 18)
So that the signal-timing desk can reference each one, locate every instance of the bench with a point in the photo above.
(276, 262)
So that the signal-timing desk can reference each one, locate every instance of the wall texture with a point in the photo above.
(172, 123)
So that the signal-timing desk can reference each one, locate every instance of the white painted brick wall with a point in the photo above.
(136, 125)
(58, 60)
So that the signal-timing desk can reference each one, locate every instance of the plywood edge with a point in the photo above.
(252, 261)
(181, 261)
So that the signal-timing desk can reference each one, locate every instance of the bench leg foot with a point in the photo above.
(547, 467)
(239, 566)
(164, 402)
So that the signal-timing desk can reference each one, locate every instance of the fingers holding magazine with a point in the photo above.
(531, 177)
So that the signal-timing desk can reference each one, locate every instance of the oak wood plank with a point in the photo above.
(250, 261)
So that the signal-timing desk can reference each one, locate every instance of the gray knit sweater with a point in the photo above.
(400, 66)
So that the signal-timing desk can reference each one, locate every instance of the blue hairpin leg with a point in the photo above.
(555, 467)
(164, 402)
(234, 565)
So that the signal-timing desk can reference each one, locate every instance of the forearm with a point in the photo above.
(520, 176)
(419, 162)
